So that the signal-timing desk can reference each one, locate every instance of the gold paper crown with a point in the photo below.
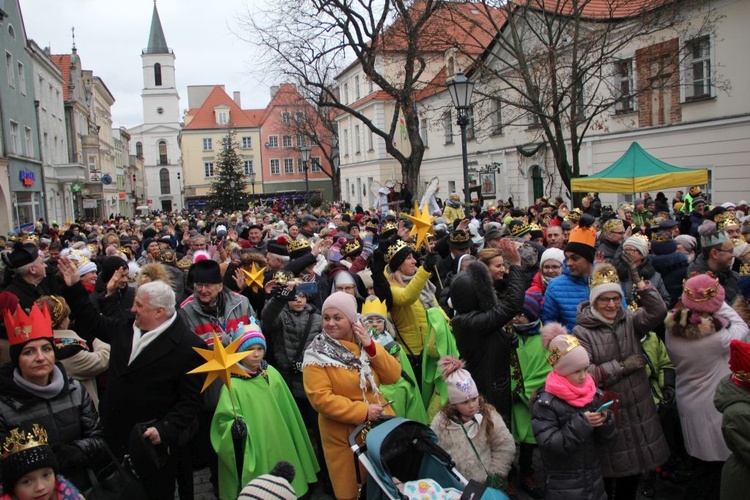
(351, 247)
(555, 353)
(389, 226)
(708, 293)
(298, 244)
(92, 248)
(127, 251)
(726, 219)
(395, 248)
(611, 224)
(184, 263)
(374, 306)
(19, 440)
(167, 256)
(604, 278)
(535, 227)
(627, 207)
(459, 237)
(57, 309)
(31, 237)
(371, 225)
(575, 214)
(644, 239)
(662, 237)
(737, 242)
(744, 270)
(283, 277)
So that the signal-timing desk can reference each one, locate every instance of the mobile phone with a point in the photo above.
(604, 406)
(388, 403)
(308, 288)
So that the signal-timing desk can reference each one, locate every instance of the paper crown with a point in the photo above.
(575, 214)
(662, 237)
(583, 235)
(725, 220)
(519, 229)
(702, 295)
(388, 227)
(298, 244)
(744, 270)
(19, 440)
(612, 224)
(604, 277)
(644, 239)
(351, 247)
(556, 353)
(395, 248)
(374, 306)
(459, 237)
(25, 327)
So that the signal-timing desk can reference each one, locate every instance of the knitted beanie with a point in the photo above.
(274, 485)
(35, 454)
(604, 280)
(333, 254)
(461, 386)
(582, 240)
(739, 358)
(566, 355)
(532, 305)
(552, 254)
(344, 302)
(637, 243)
(662, 243)
(688, 242)
(703, 293)
(250, 335)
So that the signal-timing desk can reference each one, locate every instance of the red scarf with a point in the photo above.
(90, 288)
(559, 386)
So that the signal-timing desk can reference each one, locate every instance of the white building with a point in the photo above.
(156, 139)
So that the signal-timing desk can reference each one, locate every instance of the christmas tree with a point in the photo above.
(228, 189)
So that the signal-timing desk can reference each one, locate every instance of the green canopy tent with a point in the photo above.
(637, 171)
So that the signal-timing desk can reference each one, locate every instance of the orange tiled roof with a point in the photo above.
(62, 61)
(435, 86)
(205, 118)
(597, 9)
(287, 95)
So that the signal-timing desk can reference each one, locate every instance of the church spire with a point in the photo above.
(157, 44)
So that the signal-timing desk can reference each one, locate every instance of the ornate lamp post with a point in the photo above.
(304, 157)
(460, 89)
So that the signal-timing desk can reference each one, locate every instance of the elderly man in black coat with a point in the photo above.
(147, 385)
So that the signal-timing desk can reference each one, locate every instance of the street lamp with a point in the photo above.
(252, 182)
(460, 89)
(231, 185)
(304, 157)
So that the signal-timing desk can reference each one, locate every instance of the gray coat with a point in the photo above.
(640, 444)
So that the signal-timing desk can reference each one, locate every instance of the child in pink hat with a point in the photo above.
(567, 421)
(471, 430)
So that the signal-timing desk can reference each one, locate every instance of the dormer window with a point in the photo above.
(222, 114)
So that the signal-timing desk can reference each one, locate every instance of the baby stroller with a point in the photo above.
(406, 450)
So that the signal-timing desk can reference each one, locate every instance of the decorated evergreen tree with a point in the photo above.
(228, 189)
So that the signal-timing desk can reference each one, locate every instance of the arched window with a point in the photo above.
(139, 149)
(451, 66)
(164, 181)
(163, 160)
(537, 182)
(157, 74)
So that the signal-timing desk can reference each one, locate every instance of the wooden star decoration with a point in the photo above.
(422, 221)
(255, 277)
(221, 362)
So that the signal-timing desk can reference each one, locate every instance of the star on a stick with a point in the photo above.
(221, 362)
(422, 221)
(254, 277)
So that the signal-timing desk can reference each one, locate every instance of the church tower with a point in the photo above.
(156, 139)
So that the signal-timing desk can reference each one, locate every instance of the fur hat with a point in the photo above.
(566, 355)
(206, 271)
(703, 293)
(277, 484)
(473, 289)
(461, 387)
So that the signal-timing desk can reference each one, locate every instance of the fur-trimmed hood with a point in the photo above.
(473, 289)
(683, 322)
(742, 308)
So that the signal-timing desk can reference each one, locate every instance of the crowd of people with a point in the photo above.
(608, 341)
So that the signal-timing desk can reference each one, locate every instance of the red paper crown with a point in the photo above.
(25, 327)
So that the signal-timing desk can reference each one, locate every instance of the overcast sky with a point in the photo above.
(110, 36)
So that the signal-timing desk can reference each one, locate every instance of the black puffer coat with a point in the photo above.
(478, 327)
(289, 333)
(568, 445)
(673, 269)
(69, 418)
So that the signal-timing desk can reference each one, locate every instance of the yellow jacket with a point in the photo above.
(408, 313)
(450, 214)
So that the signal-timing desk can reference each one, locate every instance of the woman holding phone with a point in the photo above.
(342, 370)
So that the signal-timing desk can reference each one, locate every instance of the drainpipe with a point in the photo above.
(41, 157)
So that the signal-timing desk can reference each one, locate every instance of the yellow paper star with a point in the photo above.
(254, 277)
(221, 362)
(422, 221)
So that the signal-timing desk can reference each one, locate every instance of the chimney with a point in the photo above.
(274, 90)
(236, 98)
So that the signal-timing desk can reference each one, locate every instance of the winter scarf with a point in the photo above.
(427, 295)
(575, 396)
(49, 391)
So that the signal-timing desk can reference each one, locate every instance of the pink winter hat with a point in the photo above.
(461, 386)
(344, 302)
(566, 355)
(703, 293)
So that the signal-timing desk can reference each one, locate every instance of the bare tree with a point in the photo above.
(560, 68)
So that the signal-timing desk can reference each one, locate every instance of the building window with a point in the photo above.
(286, 141)
(247, 167)
(345, 144)
(356, 87)
(447, 127)
(247, 143)
(275, 170)
(28, 141)
(316, 164)
(164, 181)
(289, 166)
(698, 74)
(624, 86)
(92, 163)
(222, 117)
(21, 79)
(163, 160)
(208, 169)
(11, 31)
(423, 132)
(370, 140)
(286, 117)
(300, 166)
(157, 74)
(15, 138)
(10, 70)
(470, 132)
(301, 141)
(357, 140)
(496, 116)
(345, 94)
(208, 144)
(273, 141)
(300, 117)
(139, 150)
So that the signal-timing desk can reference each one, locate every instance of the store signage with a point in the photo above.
(27, 178)
(122, 196)
(106, 179)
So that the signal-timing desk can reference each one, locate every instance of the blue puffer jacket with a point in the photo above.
(562, 297)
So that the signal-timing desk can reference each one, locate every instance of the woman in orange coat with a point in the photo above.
(342, 370)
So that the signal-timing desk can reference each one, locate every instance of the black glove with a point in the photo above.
(69, 456)
(239, 429)
(377, 265)
(668, 394)
(633, 363)
(282, 292)
(430, 262)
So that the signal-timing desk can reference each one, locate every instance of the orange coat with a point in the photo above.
(335, 394)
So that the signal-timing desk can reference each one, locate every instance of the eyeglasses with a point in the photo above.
(551, 268)
(731, 250)
(608, 300)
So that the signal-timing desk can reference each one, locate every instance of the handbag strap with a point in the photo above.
(474, 448)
